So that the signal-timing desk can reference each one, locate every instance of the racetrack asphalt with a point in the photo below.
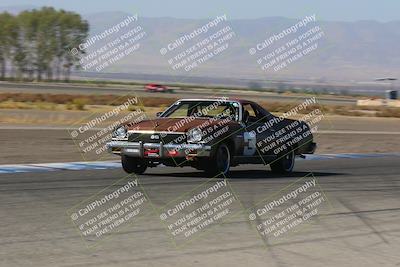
(360, 227)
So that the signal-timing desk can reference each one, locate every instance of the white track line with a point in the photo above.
(104, 165)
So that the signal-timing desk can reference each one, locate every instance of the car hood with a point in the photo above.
(172, 124)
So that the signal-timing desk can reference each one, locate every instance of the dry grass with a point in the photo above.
(389, 112)
(86, 99)
(81, 102)
(9, 104)
(349, 110)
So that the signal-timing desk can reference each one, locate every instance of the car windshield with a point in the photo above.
(203, 109)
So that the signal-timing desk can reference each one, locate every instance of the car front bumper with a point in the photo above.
(158, 150)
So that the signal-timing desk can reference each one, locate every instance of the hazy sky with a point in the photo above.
(343, 10)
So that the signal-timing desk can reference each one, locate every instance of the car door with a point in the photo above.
(259, 135)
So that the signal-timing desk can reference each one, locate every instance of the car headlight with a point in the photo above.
(120, 132)
(194, 135)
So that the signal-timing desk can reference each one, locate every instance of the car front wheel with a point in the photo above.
(133, 165)
(219, 163)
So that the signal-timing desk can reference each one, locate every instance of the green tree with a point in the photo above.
(6, 41)
(37, 42)
(74, 32)
(27, 42)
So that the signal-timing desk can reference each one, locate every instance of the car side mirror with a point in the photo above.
(158, 114)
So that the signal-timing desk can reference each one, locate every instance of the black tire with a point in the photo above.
(219, 163)
(285, 164)
(133, 165)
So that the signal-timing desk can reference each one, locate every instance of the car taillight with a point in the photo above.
(151, 152)
(172, 153)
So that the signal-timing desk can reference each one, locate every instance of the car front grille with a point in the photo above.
(169, 138)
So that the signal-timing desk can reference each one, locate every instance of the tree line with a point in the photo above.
(36, 44)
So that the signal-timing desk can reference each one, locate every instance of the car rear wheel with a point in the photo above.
(285, 164)
(133, 165)
(219, 163)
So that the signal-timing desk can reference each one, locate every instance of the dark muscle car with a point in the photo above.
(212, 135)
